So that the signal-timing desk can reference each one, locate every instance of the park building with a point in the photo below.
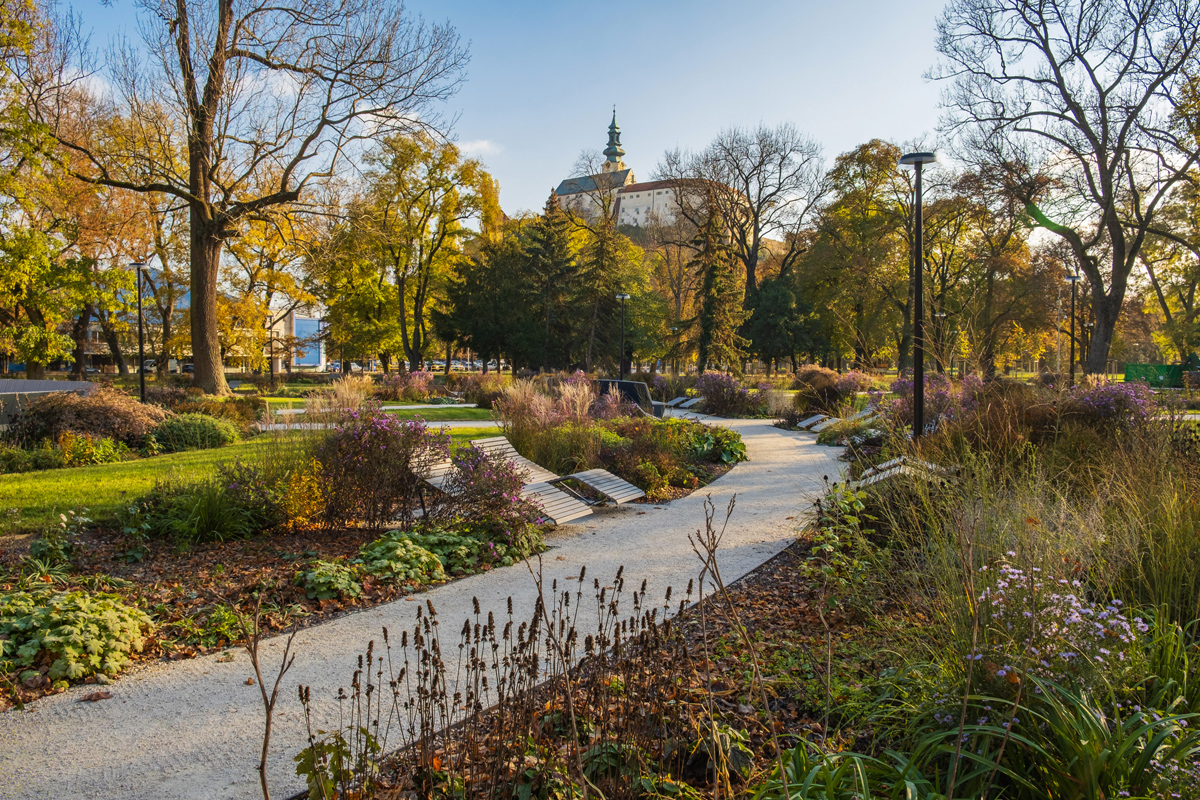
(616, 188)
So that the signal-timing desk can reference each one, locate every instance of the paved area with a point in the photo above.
(192, 729)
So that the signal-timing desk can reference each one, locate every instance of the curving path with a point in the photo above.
(192, 729)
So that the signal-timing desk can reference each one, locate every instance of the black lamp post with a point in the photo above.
(1074, 279)
(141, 267)
(622, 298)
(917, 161)
(675, 352)
(941, 339)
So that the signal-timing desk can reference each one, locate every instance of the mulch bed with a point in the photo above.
(180, 587)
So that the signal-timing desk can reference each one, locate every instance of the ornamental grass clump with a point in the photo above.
(347, 394)
(372, 466)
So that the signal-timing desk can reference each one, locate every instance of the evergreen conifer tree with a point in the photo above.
(554, 272)
(721, 314)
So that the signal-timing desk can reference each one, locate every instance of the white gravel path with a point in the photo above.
(192, 729)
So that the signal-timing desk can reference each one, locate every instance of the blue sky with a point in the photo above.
(544, 76)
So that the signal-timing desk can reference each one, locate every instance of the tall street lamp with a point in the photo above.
(941, 340)
(141, 268)
(1074, 279)
(917, 161)
(675, 351)
(622, 298)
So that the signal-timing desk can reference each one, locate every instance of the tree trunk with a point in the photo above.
(79, 332)
(114, 346)
(35, 372)
(1107, 310)
(206, 342)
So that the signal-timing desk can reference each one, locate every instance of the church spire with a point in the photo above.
(614, 152)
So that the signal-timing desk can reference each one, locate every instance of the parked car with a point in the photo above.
(190, 369)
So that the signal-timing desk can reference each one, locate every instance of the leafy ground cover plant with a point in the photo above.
(328, 580)
(396, 557)
(33, 459)
(56, 636)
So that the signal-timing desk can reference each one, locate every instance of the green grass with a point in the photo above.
(444, 414)
(40, 497)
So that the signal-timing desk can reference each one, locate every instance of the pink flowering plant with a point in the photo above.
(1118, 405)
(403, 385)
(482, 497)
(724, 396)
(372, 466)
(1046, 626)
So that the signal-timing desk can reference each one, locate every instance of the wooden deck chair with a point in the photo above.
(691, 402)
(609, 485)
(815, 419)
(676, 401)
(603, 481)
(825, 423)
(500, 446)
(557, 505)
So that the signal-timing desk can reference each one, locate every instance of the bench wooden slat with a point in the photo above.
(609, 485)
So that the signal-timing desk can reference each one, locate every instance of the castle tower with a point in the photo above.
(613, 153)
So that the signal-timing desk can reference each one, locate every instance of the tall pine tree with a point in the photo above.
(721, 314)
(553, 271)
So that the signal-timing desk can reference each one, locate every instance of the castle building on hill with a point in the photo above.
(616, 186)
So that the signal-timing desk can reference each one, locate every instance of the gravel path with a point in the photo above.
(192, 729)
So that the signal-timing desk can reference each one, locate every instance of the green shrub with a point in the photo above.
(75, 633)
(328, 580)
(242, 412)
(194, 432)
(83, 450)
(16, 459)
(396, 558)
(103, 413)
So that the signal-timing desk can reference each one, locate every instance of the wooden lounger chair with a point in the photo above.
(676, 401)
(603, 481)
(557, 505)
(825, 423)
(691, 402)
(815, 419)
(554, 503)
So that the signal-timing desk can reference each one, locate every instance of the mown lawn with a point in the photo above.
(445, 414)
(32, 500)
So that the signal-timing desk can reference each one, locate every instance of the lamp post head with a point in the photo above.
(1074, 278)
(911, 160)
(622, 297)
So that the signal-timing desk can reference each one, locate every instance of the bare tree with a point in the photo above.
(235, 87)
(763, 183)
(1075, 100)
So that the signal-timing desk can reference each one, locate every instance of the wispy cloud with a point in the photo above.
(480, 147)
